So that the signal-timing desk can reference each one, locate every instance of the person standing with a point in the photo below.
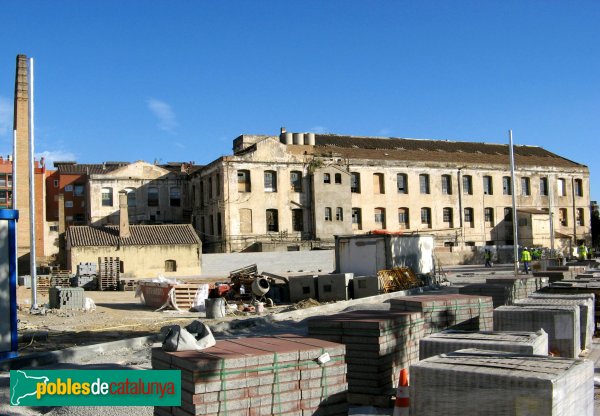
(582, 251)
(525, 258)
(488, 258)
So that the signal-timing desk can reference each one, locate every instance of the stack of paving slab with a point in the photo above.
(258, 376)
(585, 303)
(520, 286)
(483, 382)
(535, 343)
(378, 345)
(66, 298)
(577, 288)
(552, 275)
(560, 322)
(500, 294)
(449, 311)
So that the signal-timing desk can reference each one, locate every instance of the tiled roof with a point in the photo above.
(141, 235)
(88, 169)
(434, 150)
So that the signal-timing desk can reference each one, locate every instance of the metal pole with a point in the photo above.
(551, 214)
(514, 203)
(14, 191)
(32, 192)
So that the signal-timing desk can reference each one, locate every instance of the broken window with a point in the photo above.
(468, 185)
(355, 182)
(175, 197)
(487, 185)
(357, 218)
(424, 183)
(402, 183)
(270, 181)
(243, 177)
(562, 190)
(378, 185)
(380, 217)
(578, 187)
(297, 220)
(562, 217)
(272, 220)
(339, 214)
(327, 214)
(448, 217)
(170, 266)
(296, 181)
(403, 218)
(506, 185)
(426, 217)
(152, 197)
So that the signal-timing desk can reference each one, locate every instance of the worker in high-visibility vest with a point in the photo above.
(525, 258)
(582, 252)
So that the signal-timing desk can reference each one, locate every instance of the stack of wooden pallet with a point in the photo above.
(60, 278)
(259, 376)
(378, 345)
(449, 311)
(108, 278)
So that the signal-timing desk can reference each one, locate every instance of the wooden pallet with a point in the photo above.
(43, 284)
(184, 295)
(108, 273)
(60, 278)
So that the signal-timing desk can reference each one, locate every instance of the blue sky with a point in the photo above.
(178, 80)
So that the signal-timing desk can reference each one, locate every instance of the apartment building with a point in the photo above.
(295, 191)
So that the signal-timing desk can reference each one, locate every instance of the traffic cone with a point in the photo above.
(401, 406)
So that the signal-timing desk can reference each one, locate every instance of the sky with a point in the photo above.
(175, 80)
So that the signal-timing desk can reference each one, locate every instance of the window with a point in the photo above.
(378, 184)
(506, 185)
(402, 183)
(562, 190)
(508, 215)
(202, 192)
(525, 190)
(426, 217)
(488, 215)
(339, 214)
(219, 224)
(210, 188)
(152, 197)
(338, 178)
(68, 204)
(170, 266)
(380, 217)
(468, 185)
(326, 178)
(469, 217)
(218, 184)
(544, 186)
(446, 185)
(107, 197)
(357, 218)
(296, 181)
(403, 218)
(54, 228)
(79, 190)
(447, 216)
(578, 187)
(245, 220)
(131, 201)
(487, 185)
(175, 197)
(270, 181)
(272, 220)
(3, 197)
(243, 177)
(2, 180)
(327, 213)
(562, 217)
(424, 183)
(355, 182)
(297, 220)
(69, 188)
(9, 181)
(55, 183)
(579, 217)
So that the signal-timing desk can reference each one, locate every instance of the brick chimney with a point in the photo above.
(123, 216)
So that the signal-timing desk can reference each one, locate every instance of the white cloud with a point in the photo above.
(51, 156)
(164, 113)
(319, 129)
(6, 112)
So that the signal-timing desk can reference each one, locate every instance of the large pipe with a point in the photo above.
(32, 192)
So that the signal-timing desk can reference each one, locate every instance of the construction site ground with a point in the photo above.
(119, 315)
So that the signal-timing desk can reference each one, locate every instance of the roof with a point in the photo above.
(70, 168)
(354, 147)
(141, 235)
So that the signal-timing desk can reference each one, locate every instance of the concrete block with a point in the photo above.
(332, 287)
(303, 287)
(365, 286)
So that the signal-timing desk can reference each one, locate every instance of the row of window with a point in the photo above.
(270, 180)
(152, 197)
(467, 185)
(6, 180)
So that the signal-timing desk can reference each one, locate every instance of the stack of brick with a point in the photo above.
(378, 345)
(86, 282)
(449, 311)
(577, 288)
(552, 275)
(586, 313)
(516, 342)
(560, 322)
(60, 278)
(520, 286)
(66, 298)
(500, 294)
(483, 382)
(258, 376)
(108, 278)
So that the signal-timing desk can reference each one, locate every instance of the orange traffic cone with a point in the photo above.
(401, 406)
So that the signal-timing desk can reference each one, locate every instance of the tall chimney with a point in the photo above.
(123, 216)
(21, 191)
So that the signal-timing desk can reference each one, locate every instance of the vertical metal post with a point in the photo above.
(551, 214)
(14, 188)
(32, 191)
(514, 203)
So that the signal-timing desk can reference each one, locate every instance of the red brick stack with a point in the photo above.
(378, 345)
(259, 376)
